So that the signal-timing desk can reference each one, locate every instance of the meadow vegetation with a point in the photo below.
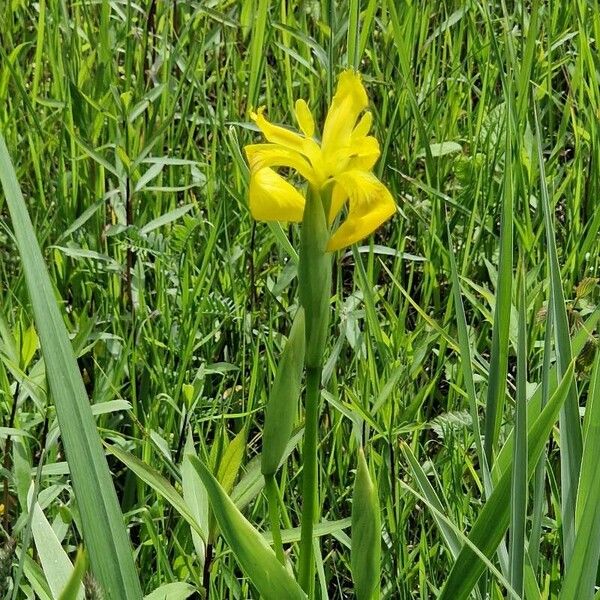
(460, 329)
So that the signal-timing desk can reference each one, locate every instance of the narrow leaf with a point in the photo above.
(492, 522)
(366, 534)
(104, 531)
(580, 575)
(231, 461)
(160, 485)
(518, 496)
(282, 408)
(251, 550)
(54, 560)
(570, 425)
(195, 497)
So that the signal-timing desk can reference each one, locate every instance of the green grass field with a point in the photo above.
(462, 345)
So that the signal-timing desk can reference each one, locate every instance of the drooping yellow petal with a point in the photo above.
(349, 101)
(304, 118)
(370, 205)
(261, 156)
(277, 134)
(272, 198)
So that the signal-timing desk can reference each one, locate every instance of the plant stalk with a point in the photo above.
(314, 278)
(310, 483)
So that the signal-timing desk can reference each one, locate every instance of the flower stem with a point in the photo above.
(314, 279)
(310, 486)
(273, 501)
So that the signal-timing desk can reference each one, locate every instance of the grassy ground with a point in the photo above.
(126, 122)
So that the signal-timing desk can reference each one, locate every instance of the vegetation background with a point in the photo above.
(125, 122)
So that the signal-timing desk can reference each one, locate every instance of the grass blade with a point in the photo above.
(161, 486)
(452, 540)
(520, 477)
(580, 576)
(249, 547)
(502, 310)
(104, 532)
(492, 522)
(570, 426)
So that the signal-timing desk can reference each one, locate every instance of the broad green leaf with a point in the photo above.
(160, 485)
(29, 345)
(152, 172)
(104, 532)
(167, 218)
(252, 482)
(178, 590)
(249, 547)
(195, 497)
(366, 534)
(334, 528)
(438, 149)
(282, 407)
(231, 461)
(35, 578)
(492, 522)
(54, 560)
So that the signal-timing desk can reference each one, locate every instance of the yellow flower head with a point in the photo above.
(341, 164)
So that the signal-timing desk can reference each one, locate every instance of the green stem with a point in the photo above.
(273, 501)
(310, 488)
(314, 281)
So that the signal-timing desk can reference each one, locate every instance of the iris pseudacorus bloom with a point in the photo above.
(338, 168)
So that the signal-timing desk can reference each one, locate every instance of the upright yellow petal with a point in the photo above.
(261, 156)
(304, 118)
(339, 197)
(272, 198)
(363, 154)
(370, 205)
(363, 126)
(349, 101)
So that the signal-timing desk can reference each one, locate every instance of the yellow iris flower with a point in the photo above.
(340, 165)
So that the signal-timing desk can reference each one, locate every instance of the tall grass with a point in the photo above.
(125, 122)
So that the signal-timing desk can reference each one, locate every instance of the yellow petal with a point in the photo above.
(272, 198)
(370, 205)
(304, 118)
(363, 127)
(261, 156)
(285, 137)
(363, 154)
(277, 134)
(349, 100)
(338, 199)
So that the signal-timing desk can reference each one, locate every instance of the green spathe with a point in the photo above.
(366, 534)
(270, 577)
(283, 399)
(315, 278)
